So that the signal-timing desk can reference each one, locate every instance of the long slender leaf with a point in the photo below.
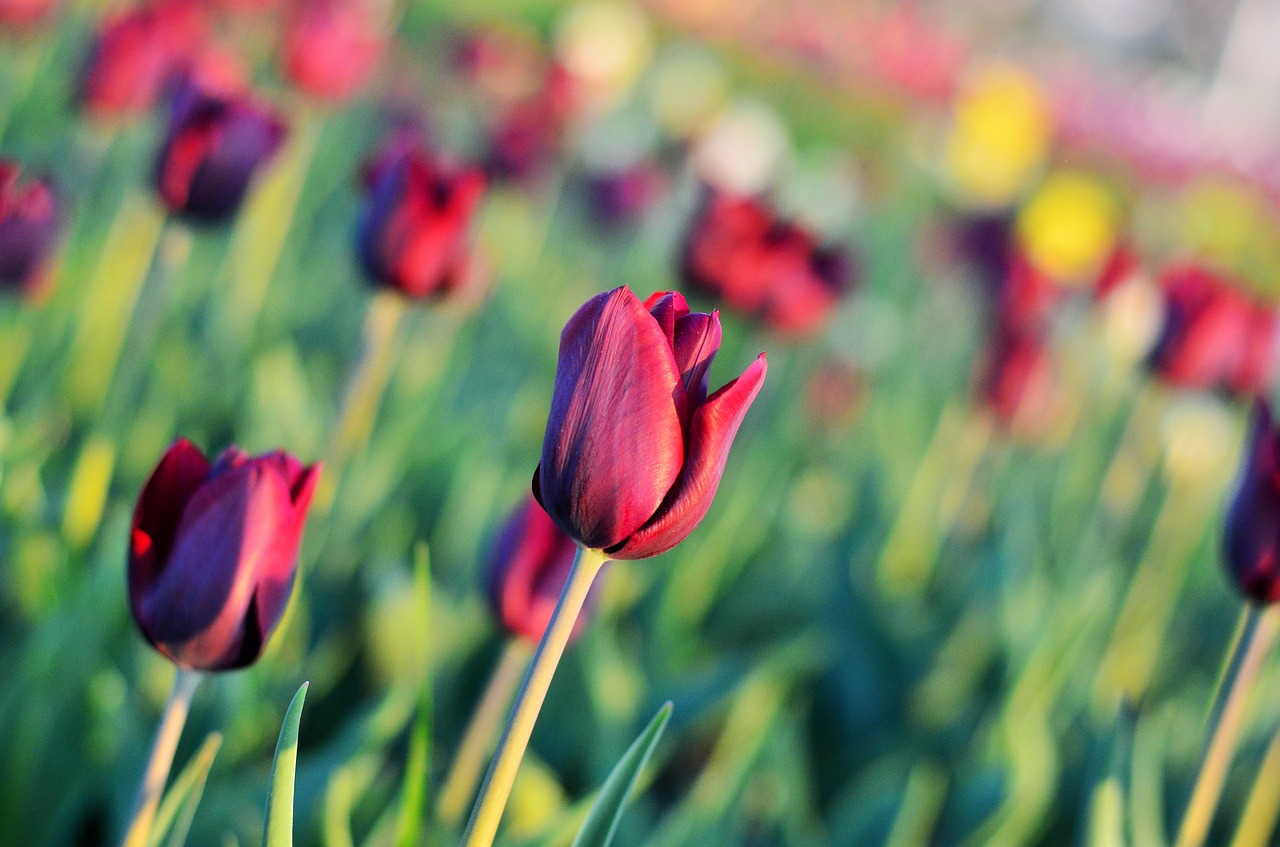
(279, 828)
(602, 820)
(178, 807)
(413, 794)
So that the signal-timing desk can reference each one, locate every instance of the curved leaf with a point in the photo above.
(602, 820)
(279, 828)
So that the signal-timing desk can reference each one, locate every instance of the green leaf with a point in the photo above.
(602, 820)
(279, 828)
(178, 807)
(414, 790)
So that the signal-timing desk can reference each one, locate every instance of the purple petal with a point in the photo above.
(181, 471)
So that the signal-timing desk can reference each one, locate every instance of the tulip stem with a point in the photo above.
(481, 732)
(515, 738)
(162, 750)
(1226, 720)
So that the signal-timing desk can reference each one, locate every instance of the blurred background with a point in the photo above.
(1014, 265)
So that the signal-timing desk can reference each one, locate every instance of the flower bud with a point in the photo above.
(29, 223)
(214, 552)
(527, 570)
(1252, 534)
(216, 143)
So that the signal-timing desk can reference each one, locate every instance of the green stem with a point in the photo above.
(515, 738)
(468, 764)
(1226, 720)
(162, 750)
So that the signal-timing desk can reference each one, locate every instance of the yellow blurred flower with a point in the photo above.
(605, 44)
(999, 136)
(1068, 228)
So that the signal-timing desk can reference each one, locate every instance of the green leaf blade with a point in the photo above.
(279, 827)
(602, 821)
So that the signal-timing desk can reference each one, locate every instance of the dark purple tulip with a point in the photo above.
(215, 144)
(214, 553)
(527, 571)
(635, 448)
(29, 224)
(1252, 536)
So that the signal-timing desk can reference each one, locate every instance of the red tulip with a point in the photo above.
(1018, 381)
(29, 225)
(137, 53)
(332, 47)
(528, 570)
(1252, 533)
(414, 235)
(526, 137)
(1028, 296)
(1214, 337)
(635, 448)
(24, 14)
(214, 553)
(216, 143)
(758, 264)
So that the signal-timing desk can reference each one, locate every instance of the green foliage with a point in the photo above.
(278, 831)
(611, 802)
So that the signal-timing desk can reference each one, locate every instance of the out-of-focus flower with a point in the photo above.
(22, 15)
(137, 53)
(761, 265)
(1131, 308)
(215, 144)
(525, 137)
(689, 88)
(604, 45)
(1027, 297)
(1019, 382)
(1251, 537)
(742, 150)
(999, 137)
(1068, 227)
(415, 231)
(1120, 268)
(30, 221)
(1213, 337)
(504, 64)
(621, 197)
(332, 47)
(527, 570)
(214, 552)
(635, 448)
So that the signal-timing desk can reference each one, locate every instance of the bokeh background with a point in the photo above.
(947, 594)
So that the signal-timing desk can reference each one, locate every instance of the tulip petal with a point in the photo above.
(614, 442)
(697, 340)
(715, 423)
(1252, 528)
(227, 548)
(160, 505)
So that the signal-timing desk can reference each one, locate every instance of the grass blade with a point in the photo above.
(279, 828)
(602, 820)
(178, 807)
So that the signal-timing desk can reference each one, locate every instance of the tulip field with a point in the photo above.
(545, 424)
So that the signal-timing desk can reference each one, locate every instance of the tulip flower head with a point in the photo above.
(216, 142)
(1018, 382)
(635, 448)
(138, 52)
(1251, 539)
(760, 265)
(414, 235)
(214, 553)
(527, 571)
(332, 47)
(29, 223)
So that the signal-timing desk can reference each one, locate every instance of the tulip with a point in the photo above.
(621, 197)
(527, 571)
(1019, 382)
(332, 47)
(526, 136)
(414, 235)
(136, 53)
(1213, 337)
(24, 14)
(214, 552)
(758, 264)
(1252, 533)
(216, 143)
(29, 223)
(635, 448)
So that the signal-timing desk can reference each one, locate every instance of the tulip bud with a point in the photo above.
(215, 144)
(1214, 337)
(332, 47)
(527, 571)
(635, 448)
(414, 234)
(29, 225)
(214, 553)
(137, 53)
(762, 266)
(1252, 534)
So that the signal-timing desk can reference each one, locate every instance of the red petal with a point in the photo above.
(614, 443)
(697, 339)
(715, 423)
(181, 471)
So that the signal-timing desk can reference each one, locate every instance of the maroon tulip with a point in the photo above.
(1252, 534)
(214, 553)
(332, 47)
(635, 448)
(761, 265)
(527, 571)
(216, 142)
(1214, 337)
(136, 53)
(525, 138)
(414, 235)
(29, 225)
